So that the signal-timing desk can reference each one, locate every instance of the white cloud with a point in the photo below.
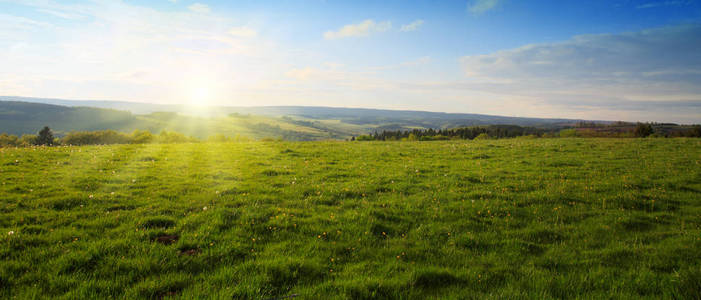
(479, 7)
(200, 8)
(243, 32)
(412, 26)
(121, 51)
(361, 29)
(639, 71)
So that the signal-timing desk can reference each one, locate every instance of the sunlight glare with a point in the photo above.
(200, 96)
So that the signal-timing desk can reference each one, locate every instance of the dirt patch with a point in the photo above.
(190, 252)
(165, 295)
(166, 239)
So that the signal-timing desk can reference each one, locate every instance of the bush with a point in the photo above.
(643, 130)
(568, 133)
(482, 136)
(9, 140)
(96, 137)
(28, 140)
(141, 137)
(434, 138)
(104, 137)
(365, 138)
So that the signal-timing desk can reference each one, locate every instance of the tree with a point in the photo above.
(46, 137)
(643, 130)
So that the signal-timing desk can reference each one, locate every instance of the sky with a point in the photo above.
(596, 60)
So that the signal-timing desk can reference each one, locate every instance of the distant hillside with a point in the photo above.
(357, 119)
(27, 118)
(133, 107)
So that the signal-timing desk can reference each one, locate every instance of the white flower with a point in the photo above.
(11, 232)
(204, 208)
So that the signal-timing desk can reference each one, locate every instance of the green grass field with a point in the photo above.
(517, 218)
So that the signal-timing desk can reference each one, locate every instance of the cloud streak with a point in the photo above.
(412, 26)
(200, 8)
(243, 32)
(362, 29)
(662, 4)
(478, 7)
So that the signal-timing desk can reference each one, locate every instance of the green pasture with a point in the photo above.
(512, 218)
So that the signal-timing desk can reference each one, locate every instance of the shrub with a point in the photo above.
(365, 138)
(643, 130)
(27, 140)
(482, 136)
(568, 133)
(9, 140)
(141, 137)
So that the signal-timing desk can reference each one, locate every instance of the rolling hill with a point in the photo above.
(27, 118)
(20, 115)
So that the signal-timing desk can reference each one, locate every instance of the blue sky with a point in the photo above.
(614, 60)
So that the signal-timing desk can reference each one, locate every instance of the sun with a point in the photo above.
(200, 96)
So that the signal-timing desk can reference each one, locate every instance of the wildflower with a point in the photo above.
(91, 196)
(204, 208)
(11, 232)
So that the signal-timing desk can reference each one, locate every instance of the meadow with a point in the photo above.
(511, 218)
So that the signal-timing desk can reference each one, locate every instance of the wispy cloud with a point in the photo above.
(479, 7)
(361, 29)
(662, 4)
(412, 26)
(628, 69)
(200, 8)
(243, 32)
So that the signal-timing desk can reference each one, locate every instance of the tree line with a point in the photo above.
(613, 130)
(465, 133)
(100, 137)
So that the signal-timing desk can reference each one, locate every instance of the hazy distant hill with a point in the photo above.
(27, 118)
(20, 115)
(368, 119)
